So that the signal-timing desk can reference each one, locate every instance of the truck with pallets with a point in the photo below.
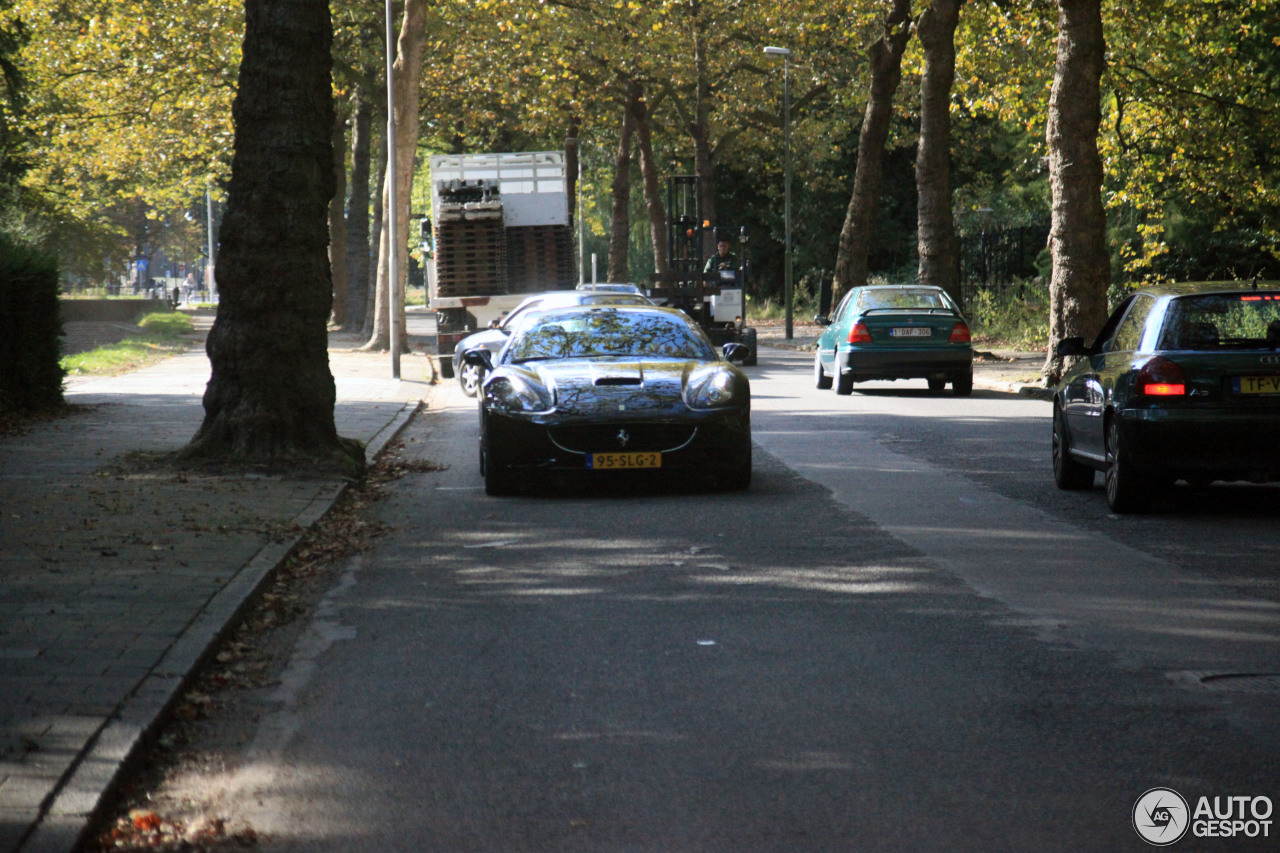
(500, 230)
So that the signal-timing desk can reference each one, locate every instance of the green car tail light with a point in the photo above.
(859, 334)
(959, 334)
(1161, 377)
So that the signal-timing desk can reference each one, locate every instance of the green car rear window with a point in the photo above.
(908, 299)
(1222, 321)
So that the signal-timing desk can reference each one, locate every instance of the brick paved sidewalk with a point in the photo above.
(112, 587)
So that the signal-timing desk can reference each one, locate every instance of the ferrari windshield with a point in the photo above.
(602, 332)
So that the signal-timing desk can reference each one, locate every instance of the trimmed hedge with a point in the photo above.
(30, 330)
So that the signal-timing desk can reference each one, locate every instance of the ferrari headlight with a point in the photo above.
(514, 395)
(713, 389)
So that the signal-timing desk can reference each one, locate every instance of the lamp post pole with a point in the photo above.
(390, 219)
(785, 53)
(209, 284)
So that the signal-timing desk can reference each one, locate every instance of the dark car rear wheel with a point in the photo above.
(1128, 488)
(936, 384)
(962, 383)
(1068, 474)
(821, 380)
(749, 340)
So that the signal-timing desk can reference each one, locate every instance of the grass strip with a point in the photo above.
(160, 336)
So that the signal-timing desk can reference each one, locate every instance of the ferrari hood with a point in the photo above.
(623, 385)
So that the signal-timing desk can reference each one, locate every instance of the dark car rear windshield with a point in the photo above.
(1222, 320)
(601, 333)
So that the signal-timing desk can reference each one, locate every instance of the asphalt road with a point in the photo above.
(901, 638)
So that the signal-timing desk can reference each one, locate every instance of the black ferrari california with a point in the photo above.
(607, 389)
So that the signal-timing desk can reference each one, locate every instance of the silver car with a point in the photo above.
(471, 375)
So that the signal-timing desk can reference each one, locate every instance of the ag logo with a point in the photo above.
(1161, 816)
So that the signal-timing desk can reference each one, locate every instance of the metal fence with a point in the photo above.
(998, 259)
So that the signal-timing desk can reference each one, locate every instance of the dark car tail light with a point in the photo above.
(1161, 377)
(959, 334)
(859, 334)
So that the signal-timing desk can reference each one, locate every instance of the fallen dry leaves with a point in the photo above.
(143, 829)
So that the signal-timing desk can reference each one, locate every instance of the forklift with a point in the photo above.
(715, 300)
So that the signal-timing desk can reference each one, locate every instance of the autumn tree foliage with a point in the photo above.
(127, 98)
(125, 116)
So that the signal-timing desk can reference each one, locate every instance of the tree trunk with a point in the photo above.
(1077, 233)
(358, 211)
(571, 169)
(620, 224)
(375, 247)
(885, 59)
(395, 224)
(271, 395)
(935, 226)
(338, 220)
(652, 186)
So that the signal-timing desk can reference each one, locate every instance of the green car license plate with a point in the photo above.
(621, 461)
(911, 332)
(1257, 384)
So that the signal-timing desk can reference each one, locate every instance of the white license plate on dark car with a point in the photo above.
(911, 332)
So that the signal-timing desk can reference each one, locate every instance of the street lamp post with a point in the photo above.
(785, 53)
(209, 284)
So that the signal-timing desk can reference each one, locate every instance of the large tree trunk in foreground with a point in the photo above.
(1078, 232)
(885, 59)
(271, 396)
(358, 211)
(395, 225)
(935, 226)
(620, 222)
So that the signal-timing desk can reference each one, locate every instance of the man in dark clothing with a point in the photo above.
(723, 259)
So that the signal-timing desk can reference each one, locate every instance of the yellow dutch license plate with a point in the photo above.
(620, 461)
(1258, 385)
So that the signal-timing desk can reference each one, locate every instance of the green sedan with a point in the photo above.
(897, 331)
(1181, 383)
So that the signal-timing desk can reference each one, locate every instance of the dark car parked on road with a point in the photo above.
(612, 388)
(895, 331)
(1181, 383)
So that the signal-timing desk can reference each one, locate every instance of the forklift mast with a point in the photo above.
(686, 286)
(685, 251)
(715, 300)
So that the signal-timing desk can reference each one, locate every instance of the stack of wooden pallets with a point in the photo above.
(539, 258)
(471, 258)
